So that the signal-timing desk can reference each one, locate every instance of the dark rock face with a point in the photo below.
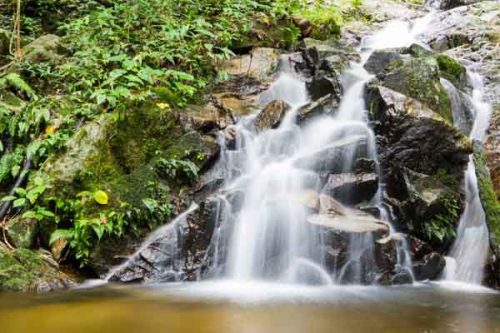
(350, 188)
(331, 158)
(322, 106)
(422, 158)
(175, 252)
(417, 77)
(427, 264)
(325, 61)
(449, 4)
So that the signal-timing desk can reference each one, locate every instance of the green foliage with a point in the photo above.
(450, 66)
(120, 58)
(17, 268)
(442, 226)
(489, 199)
(174, 168)
(328, 17)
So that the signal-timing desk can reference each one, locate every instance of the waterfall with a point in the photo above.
(269, 237)
(273, 212)
(469, 252)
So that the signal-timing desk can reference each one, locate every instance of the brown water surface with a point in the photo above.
(250, 308)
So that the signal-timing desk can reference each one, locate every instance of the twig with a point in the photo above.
(20, 180)
(4, 233)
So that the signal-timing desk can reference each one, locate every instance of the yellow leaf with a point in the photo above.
(50, 130)
(101, 197)
(163, 106)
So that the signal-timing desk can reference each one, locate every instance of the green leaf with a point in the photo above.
(61, 234)
(21, 191)
(19, 202)
(101, 197)
(99, 230)
(8, 198)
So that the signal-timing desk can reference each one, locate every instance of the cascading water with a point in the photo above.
(273, 179)
(271, 238)
(469, 251)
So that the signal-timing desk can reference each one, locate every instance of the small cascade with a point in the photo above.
(470, 249)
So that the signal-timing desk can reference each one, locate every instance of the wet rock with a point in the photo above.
(272, 115)
(111, 252)
(175, 252)
(350, 188)
(326, 60)
(322, 106)
(359, 223)
(471, 33)
(321, 86)
(429, 267)
(381, 60)
(365, 165)
(427, 264)
(422, 158)
(260, 64)
(449, 4)
(414, 135)
(334, 52)
(203, 118)
(329, 205)
(331, 158)
(402, 277)
(415, 77)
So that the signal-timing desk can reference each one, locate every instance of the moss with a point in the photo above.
(450, 67)
(419, 79)
(490, 203)
(27, 270)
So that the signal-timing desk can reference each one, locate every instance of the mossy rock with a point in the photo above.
(22, 232)
(416, 77)
(26, 270)
(43, 49)
(451, 69)
(489, 200)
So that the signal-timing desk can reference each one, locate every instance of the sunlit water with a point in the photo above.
(232, 307)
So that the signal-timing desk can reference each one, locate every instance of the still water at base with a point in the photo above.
(230, 307)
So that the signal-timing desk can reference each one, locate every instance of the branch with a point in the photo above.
(19, 182)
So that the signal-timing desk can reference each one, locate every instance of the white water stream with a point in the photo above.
(469, 252)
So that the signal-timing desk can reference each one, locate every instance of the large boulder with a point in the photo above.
(331, 158)
(44, 48)
(261, 64)
(272, 115)
(427, 264)
(472, 33)
(413, 75)
(423, 159)
(174, 252)
(30, 271)
(324, 62)
(352, 188)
